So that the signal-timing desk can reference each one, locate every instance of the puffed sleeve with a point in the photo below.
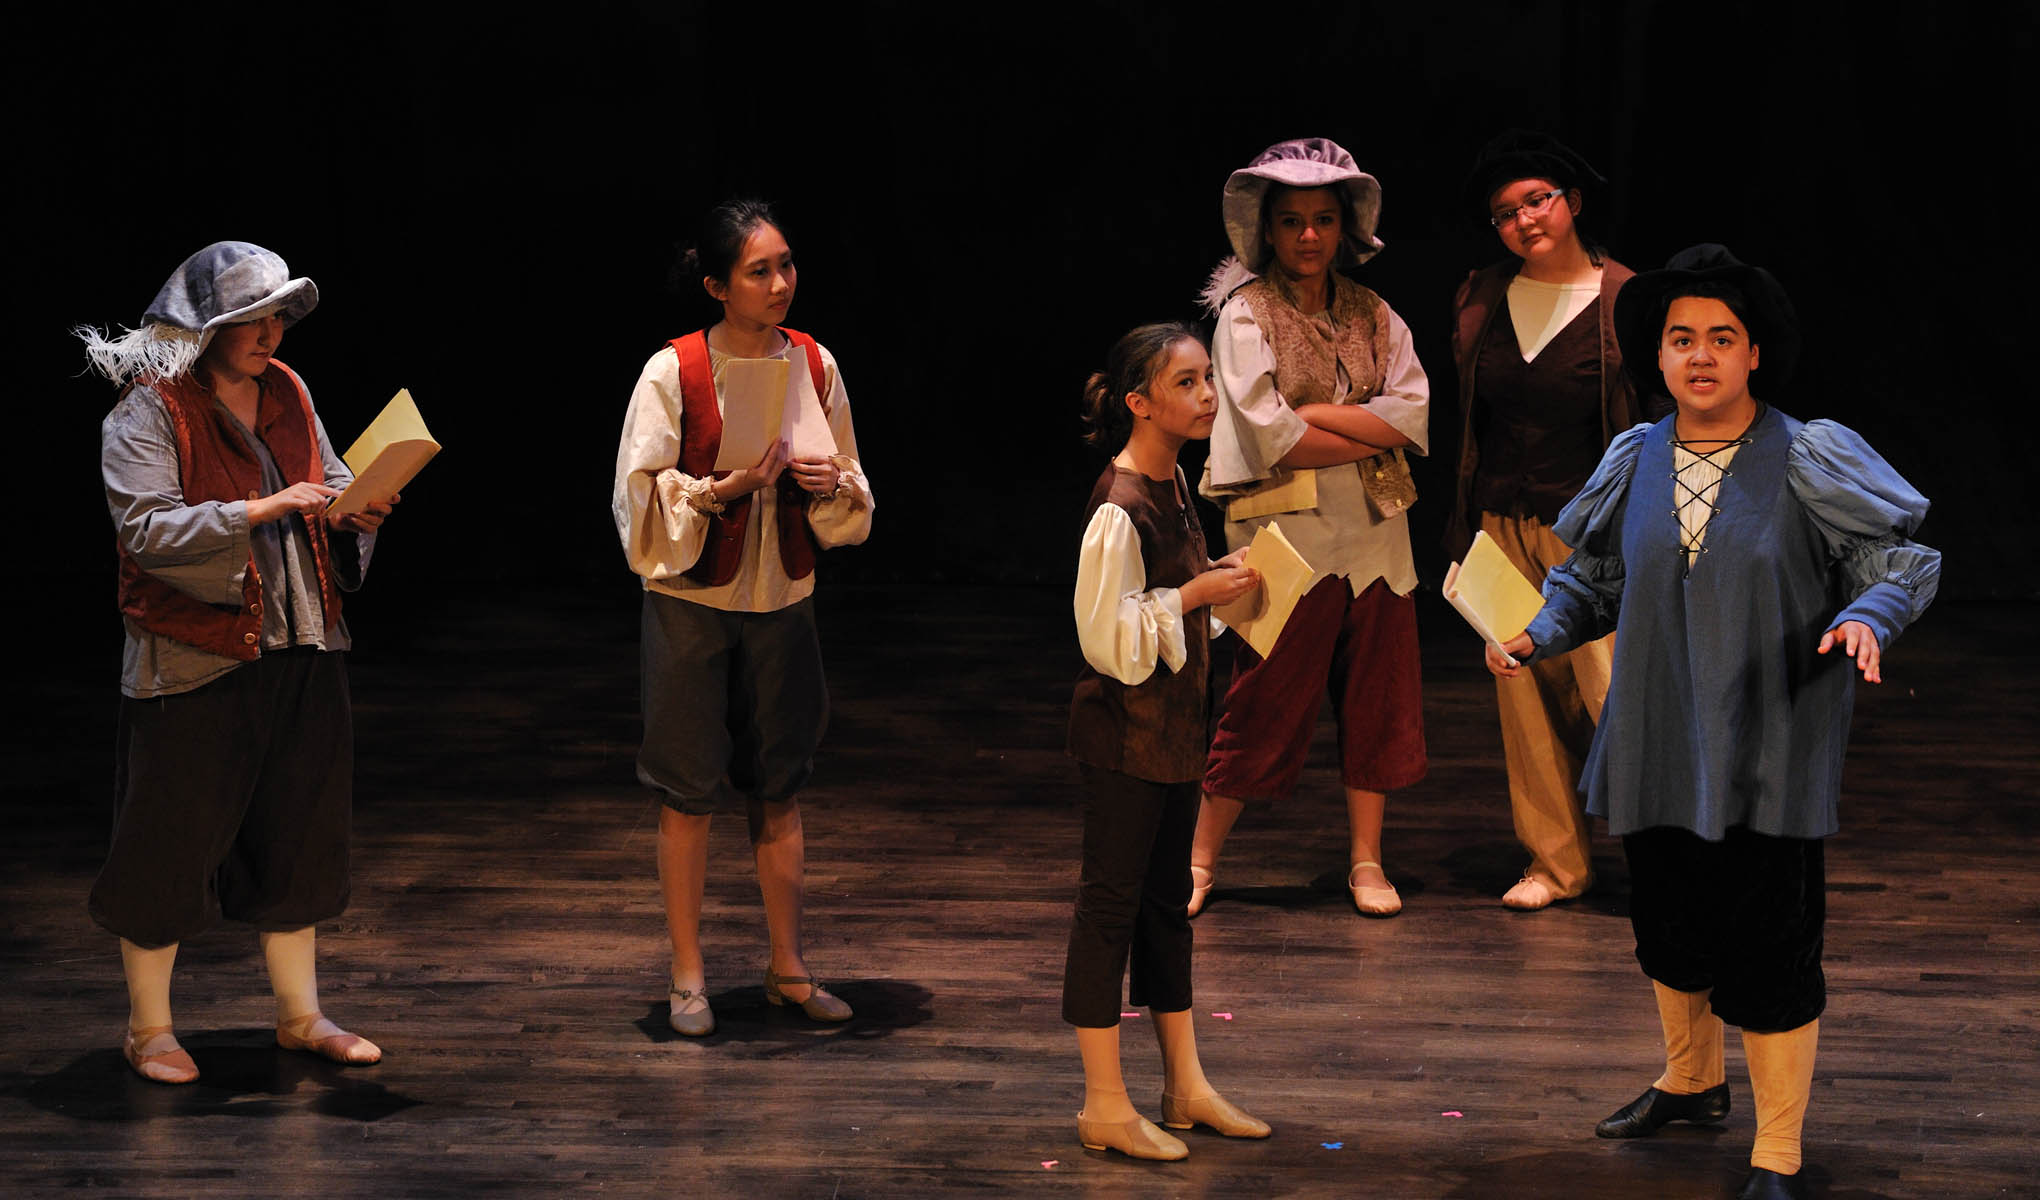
(1255, 425)
(845, 518)
(662, 533)
(1404, 402)
(1123, 627)
(1865, 511)
(1583, 594)
(200, 549)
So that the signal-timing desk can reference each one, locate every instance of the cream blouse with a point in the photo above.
(1540, 311)
(1123, 627)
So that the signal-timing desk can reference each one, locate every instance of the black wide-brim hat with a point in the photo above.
(1640, 305)
(1526, 154)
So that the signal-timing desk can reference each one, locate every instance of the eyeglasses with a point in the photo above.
(1534, 205)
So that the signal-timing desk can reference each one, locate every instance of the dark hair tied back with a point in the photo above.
(715, 251)
(1129, 367)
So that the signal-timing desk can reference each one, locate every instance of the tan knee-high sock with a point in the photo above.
(1182, 1071)
(1693, 1041)
(293, 973)
(148, 983)
(1781, 1077)
(1105, 1096)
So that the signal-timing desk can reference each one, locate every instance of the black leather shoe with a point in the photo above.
(1766, 1184)
(1654, 1110)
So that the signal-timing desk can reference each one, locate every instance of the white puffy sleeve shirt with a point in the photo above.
(1122, 626)
(663, 534)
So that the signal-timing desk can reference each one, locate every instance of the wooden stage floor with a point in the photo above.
(505, 946)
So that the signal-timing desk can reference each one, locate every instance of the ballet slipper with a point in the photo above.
(1199, 891)
(154, 1054)
(1373, 901)
(339, 1045)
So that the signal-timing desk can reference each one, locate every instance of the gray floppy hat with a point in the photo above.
(1302, 163)
(227, 283)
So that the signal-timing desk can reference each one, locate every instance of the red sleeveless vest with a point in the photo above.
(214, 464)
(700, 439)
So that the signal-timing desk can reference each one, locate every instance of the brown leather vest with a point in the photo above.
(213, 463)
(1156, 729)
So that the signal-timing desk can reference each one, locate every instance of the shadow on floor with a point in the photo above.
(242, 1073)
(882, 1007)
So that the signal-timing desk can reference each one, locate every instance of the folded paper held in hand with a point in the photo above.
(387, 456)
(1491, 593)
(1285, 491)
(1259, 616)
(759, 408)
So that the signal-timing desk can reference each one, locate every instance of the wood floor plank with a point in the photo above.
(505, 946)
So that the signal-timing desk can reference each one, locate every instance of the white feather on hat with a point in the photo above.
(224, 284)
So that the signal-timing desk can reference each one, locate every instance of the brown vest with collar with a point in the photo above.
(214, 464)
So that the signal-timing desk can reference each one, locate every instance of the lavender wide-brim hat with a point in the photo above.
(1302, 163)
(227, 283)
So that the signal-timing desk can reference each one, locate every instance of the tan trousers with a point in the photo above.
(1548, 714)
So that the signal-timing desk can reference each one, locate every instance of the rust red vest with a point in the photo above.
(213, 463)
(700, 438)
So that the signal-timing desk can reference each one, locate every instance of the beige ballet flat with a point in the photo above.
(819, 1005)
(1198, 891)
(1137, 1138)
(1529, 894)
(167, 1063)
(1373, 901)
(1213, 1111)
(342, 1047)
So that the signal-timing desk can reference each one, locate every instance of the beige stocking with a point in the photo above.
(1781, 1076)
(1693, 1041)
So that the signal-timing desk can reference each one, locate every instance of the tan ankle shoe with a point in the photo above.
(819, 1004)
(155, 1056)
(1214, 1111)
(341, 1046)
(682, 1015)
(1373, 901)
(1137, 1138)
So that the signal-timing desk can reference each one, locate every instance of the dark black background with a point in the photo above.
(982, 199)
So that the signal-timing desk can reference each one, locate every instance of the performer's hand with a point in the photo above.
(1856, 638)
(1219, 585)
(737, 484)
(307, 498)
(1237, 558)
(368, 520)
(1518, 647)
(816, 476)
